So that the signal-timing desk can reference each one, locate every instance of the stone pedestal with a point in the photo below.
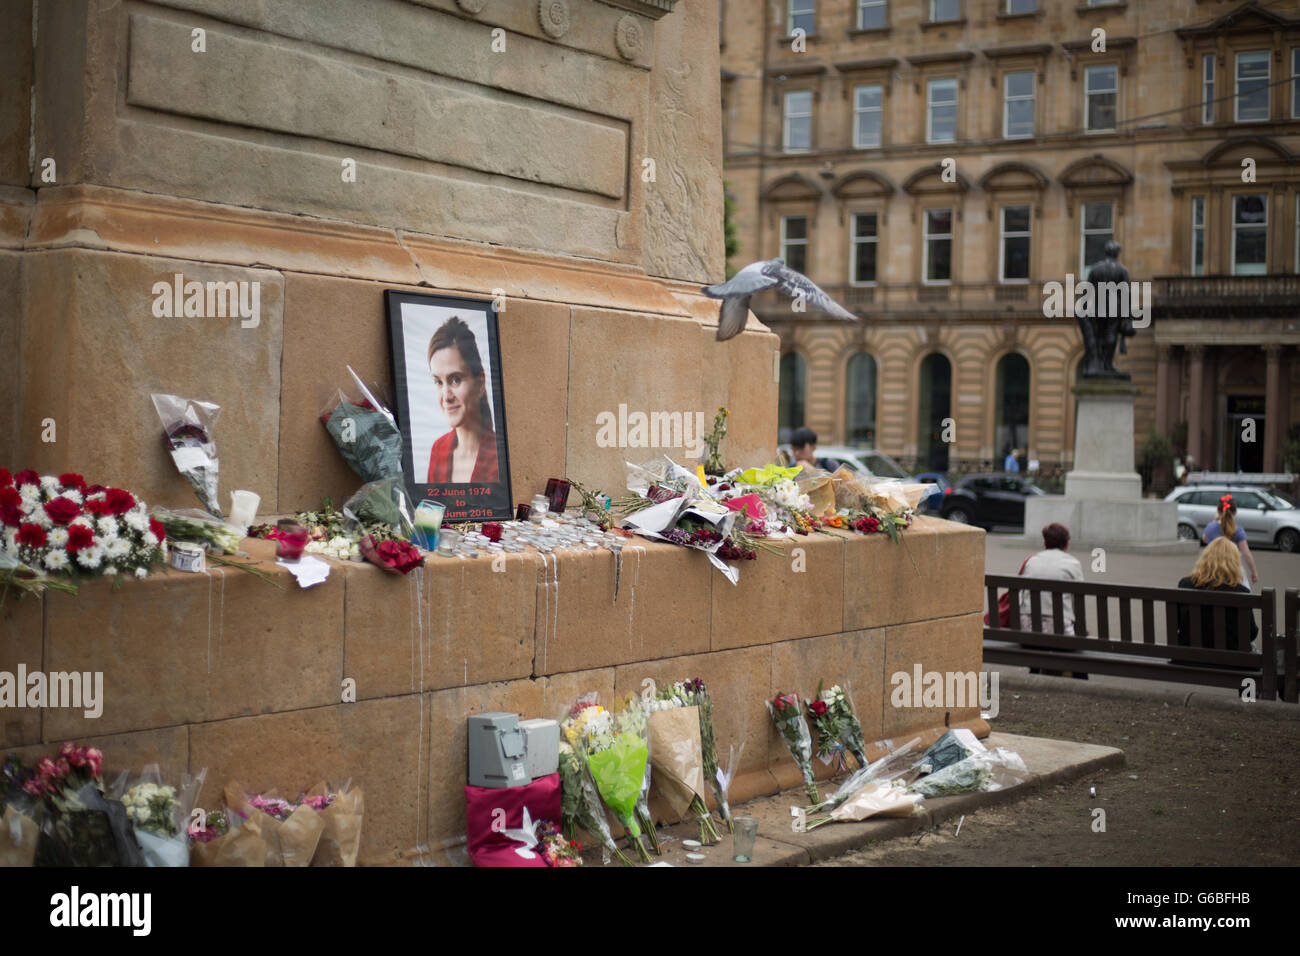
(1103, 504)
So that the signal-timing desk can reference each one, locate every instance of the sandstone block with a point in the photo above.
(225, 646)
(951, 645)
(451, 623)
(796, 594)
(21, 625)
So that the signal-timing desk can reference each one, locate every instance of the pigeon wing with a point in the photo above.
(732, 317)
(745, 282)
(796, 285)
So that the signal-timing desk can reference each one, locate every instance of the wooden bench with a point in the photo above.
(1142, 641)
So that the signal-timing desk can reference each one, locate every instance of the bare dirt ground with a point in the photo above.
(1202, 787)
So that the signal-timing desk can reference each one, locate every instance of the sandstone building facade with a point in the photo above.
(933, 163)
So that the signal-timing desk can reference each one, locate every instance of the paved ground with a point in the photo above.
(1201, 785)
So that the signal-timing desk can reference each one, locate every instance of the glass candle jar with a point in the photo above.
(448, 541)
(539, 509)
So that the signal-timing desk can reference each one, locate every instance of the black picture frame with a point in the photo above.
(429, 425)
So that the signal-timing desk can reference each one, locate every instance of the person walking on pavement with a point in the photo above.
(1225, 525)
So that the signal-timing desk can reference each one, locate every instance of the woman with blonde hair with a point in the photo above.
(1225, 525)
(1217, 569)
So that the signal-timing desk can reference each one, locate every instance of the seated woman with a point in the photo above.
(1217, 569)
(467, 453)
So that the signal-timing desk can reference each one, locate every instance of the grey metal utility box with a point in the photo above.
(497, 751)
(542, 744)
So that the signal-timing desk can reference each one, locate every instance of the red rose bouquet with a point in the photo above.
(66, 527)
(837, 727)
(787, 714)
(391, 554)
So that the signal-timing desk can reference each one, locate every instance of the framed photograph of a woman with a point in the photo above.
(450, 404)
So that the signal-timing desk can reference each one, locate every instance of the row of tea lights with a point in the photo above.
(545, 531)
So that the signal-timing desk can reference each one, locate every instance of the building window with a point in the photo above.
(1297, 232)
(1250, 235)
(797, 132)
(790, 395)
(1252, 87)
(1013, 252)
(1022, 6)
(865, 238)
(1012, 424)
(860, 400)
(937, 247)
(803, 16)
(941, 119)
(1295, 82)
(945, 10)
(872, 14)
(1098, 224)
(867, 102)
(794, 242)
(1198, 235)
(935, 405)
(1018, 105)
(1207, 88)
(1101, 86)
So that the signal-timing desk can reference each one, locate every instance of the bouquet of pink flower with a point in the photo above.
(66, 527)
(787, 714)
(556, 850)
(80, 827)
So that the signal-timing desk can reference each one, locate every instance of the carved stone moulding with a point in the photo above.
(554, 17)
(628, 38)
(472, 6)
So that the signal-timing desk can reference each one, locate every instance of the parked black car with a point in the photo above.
(992, 499)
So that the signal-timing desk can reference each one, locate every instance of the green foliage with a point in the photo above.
(1156, 450)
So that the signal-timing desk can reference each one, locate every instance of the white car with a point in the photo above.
(1266, 518)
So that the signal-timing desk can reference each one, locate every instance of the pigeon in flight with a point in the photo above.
(756, 277)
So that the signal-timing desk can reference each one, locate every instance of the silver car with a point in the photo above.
(1266, 518)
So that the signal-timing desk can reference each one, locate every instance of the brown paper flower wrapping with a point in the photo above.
(341, 840)
(243, 846)
(299, 836)
(20, 851)
(820, 489)
(676, 756)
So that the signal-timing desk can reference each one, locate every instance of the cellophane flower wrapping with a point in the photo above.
(199, 527)
(787, 714)
(160, 814)
(588, 728)
(993, 769)
(580, 806)
(891, 766)
(832, 713)
(79, 827)
(20, 815)
(383, 505)
(187, 431)
(366, 434)
(630, 715)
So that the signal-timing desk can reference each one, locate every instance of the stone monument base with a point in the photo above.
(1120, 524)
(1103, 504)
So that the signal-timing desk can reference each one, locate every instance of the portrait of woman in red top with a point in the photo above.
(468, 452)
